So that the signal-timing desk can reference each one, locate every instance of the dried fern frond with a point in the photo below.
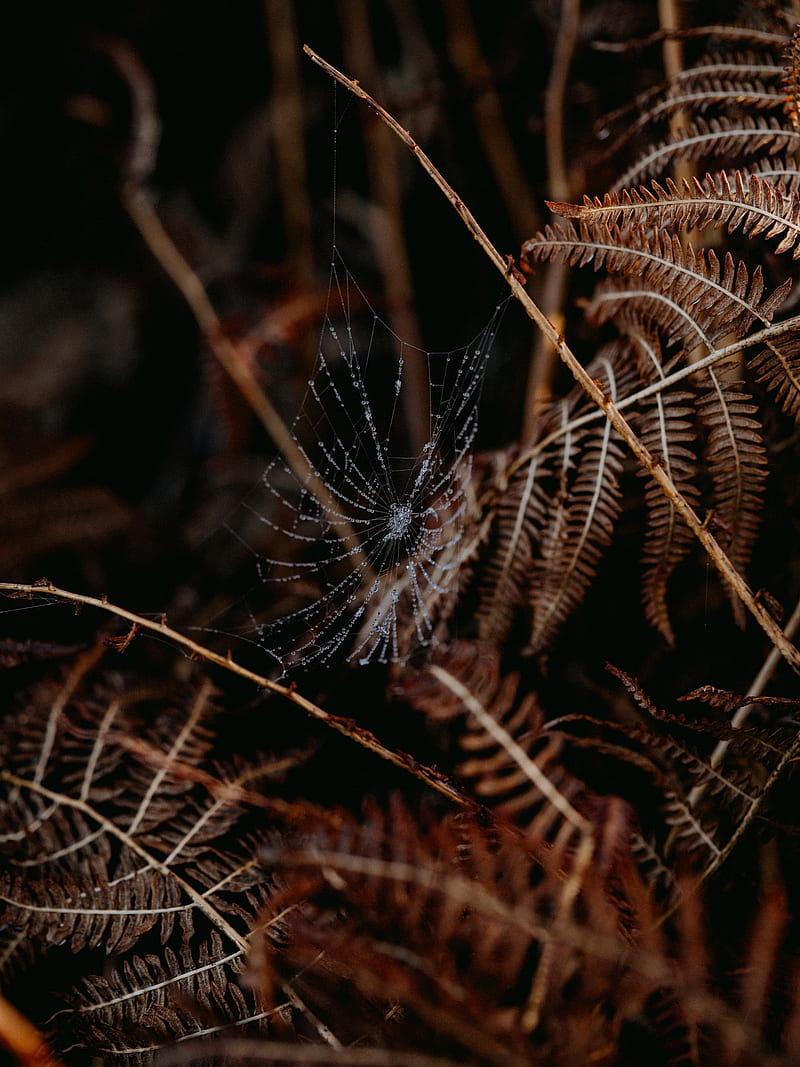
(757, 207)
(579, 523)
(113, 807)
(778, 368)
(666, 426)
(736, 461)
(449, 921)
(722, 297)
(519, 518)
(743, 84)
(722, 139)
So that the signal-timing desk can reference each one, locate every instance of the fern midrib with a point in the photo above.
(734, 446)
(625, 251)
(500, 592)
(198, 899)
(602, 211)
(645, 164)
(766, 337)
(566, 573)
(666, 459)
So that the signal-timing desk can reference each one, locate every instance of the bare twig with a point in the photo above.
(197, 651)
(594, 390)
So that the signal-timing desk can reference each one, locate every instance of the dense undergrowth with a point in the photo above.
(551, 818)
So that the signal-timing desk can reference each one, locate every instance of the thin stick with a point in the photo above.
(138, 203)
(139, 207)
(197, 651)
(515, 282)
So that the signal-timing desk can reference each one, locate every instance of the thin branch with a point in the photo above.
(515, 282)
(139, 207)
(197, 651)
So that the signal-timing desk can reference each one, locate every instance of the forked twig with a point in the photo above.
(592, 388)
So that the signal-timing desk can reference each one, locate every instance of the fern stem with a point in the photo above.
(766, 336)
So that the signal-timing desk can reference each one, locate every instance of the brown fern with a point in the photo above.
(668, 430)
(754, 205)
(791, 80)
(720, 139)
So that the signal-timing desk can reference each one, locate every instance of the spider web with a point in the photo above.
(362, 538)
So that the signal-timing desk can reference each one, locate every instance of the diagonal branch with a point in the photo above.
(515, 282)
(197, 651)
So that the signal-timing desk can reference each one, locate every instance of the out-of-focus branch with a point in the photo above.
(386, 220)
(138, 203)
(22, 1039)
(544, 360)
(498, 148)
(289, 139)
